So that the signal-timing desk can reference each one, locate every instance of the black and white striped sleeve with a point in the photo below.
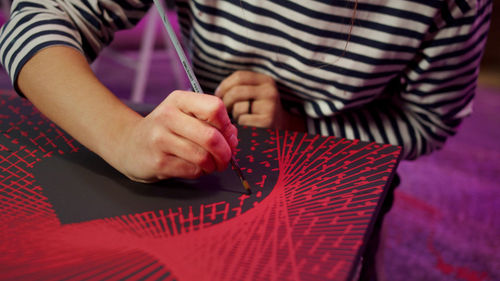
(86, 25)
(427, 102)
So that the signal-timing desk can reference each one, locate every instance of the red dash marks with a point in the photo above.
(238, 210)
(266, 164)
(219, 208)
(250, 158)
(261, 183)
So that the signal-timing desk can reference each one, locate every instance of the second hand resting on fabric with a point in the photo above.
(253, 100)
(186, 136)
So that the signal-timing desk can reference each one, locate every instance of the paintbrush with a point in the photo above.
(192, 79)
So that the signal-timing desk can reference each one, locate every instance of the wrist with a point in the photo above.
(114, 143)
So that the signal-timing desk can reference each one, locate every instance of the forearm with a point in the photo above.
(60, 83)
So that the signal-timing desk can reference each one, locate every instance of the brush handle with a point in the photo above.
(178, 48)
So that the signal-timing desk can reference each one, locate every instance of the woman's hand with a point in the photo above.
(186, 136)
(254, 100)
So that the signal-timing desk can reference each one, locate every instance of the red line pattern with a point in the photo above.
(311, 226)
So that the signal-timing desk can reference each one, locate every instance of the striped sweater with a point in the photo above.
(390, 71)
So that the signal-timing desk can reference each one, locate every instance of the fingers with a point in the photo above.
(173, 145)
(239, 93)
(241, 77)
(207, 137)
(244, 86)
(202, 120)
(206, 108)
(262, 115)
(255, 121)
(172, 166)
(240, 108)
(243, 94)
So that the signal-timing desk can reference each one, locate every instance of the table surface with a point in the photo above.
(66, 214)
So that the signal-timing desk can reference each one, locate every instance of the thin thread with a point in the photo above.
(353, 19)
(344, 51)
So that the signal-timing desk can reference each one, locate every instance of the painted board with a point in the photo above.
(65, 214)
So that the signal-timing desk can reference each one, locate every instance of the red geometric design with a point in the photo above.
(311, 226)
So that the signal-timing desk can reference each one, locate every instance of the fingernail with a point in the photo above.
(233, 141)
(216, 90)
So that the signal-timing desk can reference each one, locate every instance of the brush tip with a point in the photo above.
(247, 187)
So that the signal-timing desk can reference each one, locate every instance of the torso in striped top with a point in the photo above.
(392, 71)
